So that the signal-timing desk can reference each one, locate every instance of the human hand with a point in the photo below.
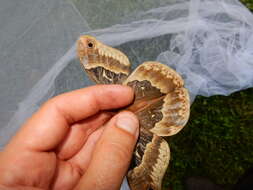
(68, 143)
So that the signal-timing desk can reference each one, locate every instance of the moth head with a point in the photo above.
(86, 46)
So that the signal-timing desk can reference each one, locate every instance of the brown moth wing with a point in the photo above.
(151, 159)
(161, 103)
(162, 106)
(103, 64)
(160, 76)
(175, 111)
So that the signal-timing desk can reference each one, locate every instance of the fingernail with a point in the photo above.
(128, 122)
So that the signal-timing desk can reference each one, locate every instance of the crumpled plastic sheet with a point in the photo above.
(209, 42)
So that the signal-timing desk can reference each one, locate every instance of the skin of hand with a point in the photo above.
(73, 142)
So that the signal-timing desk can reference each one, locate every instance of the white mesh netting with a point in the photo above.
(209, 42)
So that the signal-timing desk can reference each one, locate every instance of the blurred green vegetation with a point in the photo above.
(217, 142)
(248, 3)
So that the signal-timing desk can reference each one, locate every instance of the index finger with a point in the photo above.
(50, 124)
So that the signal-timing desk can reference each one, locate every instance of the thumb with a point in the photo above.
(112, 154)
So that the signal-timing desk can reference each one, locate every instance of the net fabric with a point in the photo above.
(209, 42)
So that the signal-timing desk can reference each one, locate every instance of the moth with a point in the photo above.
(161, 103)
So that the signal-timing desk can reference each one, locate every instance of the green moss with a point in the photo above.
(248, 3)
(216, 143)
